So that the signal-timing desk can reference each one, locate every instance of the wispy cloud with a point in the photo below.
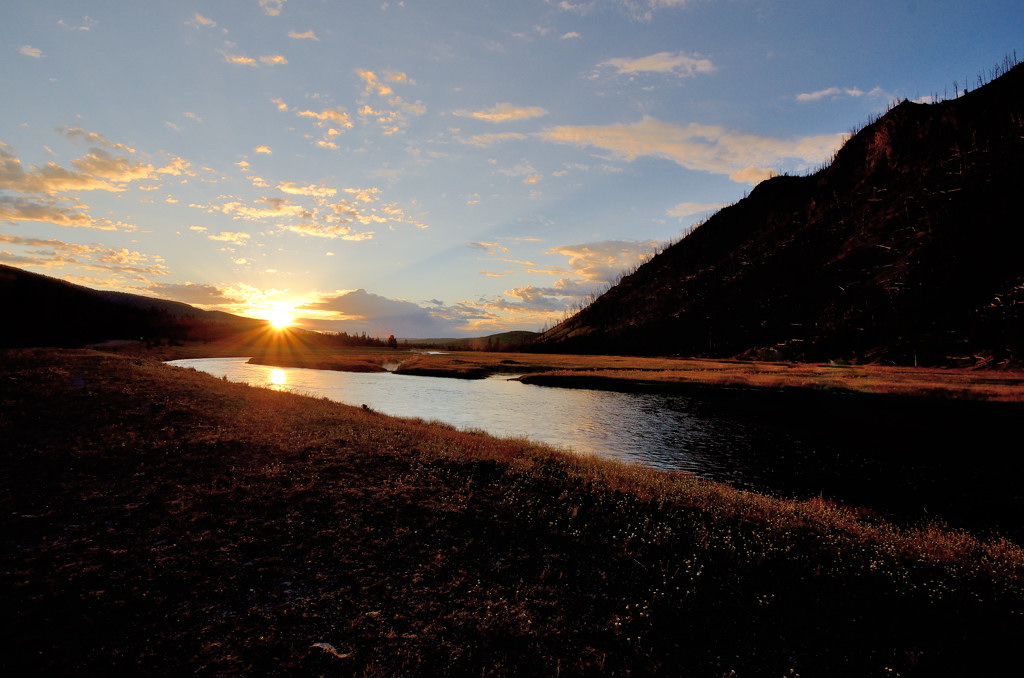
(504, 113)
(688, 209)
(266, 150)
(47, 210)
(484, 140)
(837, 93)
(307, 35)
(98, 170)
(337, 116)
(233, 237)
(489, 247)
(638, 10)
(707, 148)
(52, 253)
(272, 7)
(274, 60)
(391, 114)
(200, 21)
(240, 60)
(193, 293)
(87, 24)
(314, 210)
(29, 50)
(673, 63)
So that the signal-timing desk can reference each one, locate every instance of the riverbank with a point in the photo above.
(283, 349)
(159, 521)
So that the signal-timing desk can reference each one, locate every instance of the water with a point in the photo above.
(906, 461)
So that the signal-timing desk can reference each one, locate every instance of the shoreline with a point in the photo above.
(625, 372)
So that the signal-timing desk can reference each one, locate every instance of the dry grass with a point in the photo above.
(167, 522)
(286, 349)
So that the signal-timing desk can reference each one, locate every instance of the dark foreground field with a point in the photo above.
(157, 521)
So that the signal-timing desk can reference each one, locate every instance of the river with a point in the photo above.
(922, 460)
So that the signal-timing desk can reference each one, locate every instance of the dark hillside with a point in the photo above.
(906, 249)
(44, 311)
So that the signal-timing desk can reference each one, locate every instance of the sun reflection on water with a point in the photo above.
(278, 379)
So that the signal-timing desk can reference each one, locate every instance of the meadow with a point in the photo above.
(159, 521)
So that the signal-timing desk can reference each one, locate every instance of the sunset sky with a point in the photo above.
(430, 168)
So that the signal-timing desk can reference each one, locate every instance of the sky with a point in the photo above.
(431, 168)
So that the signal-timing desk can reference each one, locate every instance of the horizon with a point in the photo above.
(421, 172)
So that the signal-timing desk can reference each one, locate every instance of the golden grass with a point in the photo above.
(289, 349)
(157, 512)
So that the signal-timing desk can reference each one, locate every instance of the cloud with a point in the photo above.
(836, 93)
(752, 174)
(119, 169)
(200, 21)
(483, 140)
(707, 148)
(643, 10)
(15, 209)
(504, 113)
(52, 253)
(361, 311)
(274, 59)
(308, 35)
(292, 188)
(525, 170)
(263, 149)
(40, 189)
(335, 115)
(571, 35)
(310, 210)
(98, 170)
(676, 63)
(373, 83)
(391, 118)
(687, 209)
(193, 293)
(489, 247)
(80, 134)
(604, 261)
(591, 267)
(331, 120)
(272, 7)
(87, 24)
(29, 50)
(240, 60)
(233, 237)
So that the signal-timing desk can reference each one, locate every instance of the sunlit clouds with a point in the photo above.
(743, 157)
(504, 113)
(675, 63)
(838, 92)
(305, 35)
(52, 254)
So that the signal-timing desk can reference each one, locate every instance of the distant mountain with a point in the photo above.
(42, 311)
(908, 248)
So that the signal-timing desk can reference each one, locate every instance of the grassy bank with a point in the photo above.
(159, 521)
(289, 349)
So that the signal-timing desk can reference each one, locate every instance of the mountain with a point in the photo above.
(908, 248)
(43, 311)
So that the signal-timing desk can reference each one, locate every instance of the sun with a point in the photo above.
(280, 318)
